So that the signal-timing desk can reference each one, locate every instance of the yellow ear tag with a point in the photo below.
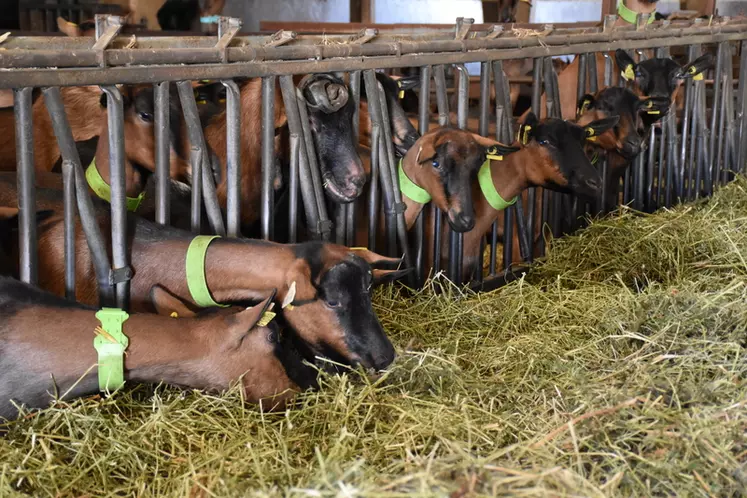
(524, 134)
(696, 77)
(174, 314)
(222, 101)
(493, 155)
(358, 248)
(267, 317)
(650, 105)
(401, 94)
(590, 135)
(584, 106)
(628, 74)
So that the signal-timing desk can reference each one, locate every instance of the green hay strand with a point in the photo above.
(615, 368)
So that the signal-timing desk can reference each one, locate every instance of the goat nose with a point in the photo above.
(593, 183)
(467, 221)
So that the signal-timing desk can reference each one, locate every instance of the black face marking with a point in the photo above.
(348, 284)
(657, 77)
(616, 101)
(564, 141)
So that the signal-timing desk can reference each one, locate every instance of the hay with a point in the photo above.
(615, 369)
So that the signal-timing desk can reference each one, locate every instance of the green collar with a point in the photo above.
(630, 16)
(104, 191)
(110, 343)
(195, 269)
(410, 190)
(485, 177)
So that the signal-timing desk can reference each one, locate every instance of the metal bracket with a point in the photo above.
(228, 27)
(463, 25)
(107, 28)
(494, 32)
(363, 36)
(609, 22)
(641, 21)
(119, 275)
(323, 227)
(280, 38)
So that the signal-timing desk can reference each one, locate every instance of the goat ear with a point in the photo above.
(654, 105)
(696, 67)
(407, 82)
(239, 325)
(299, 286)
(69, 28)
(494, 147)
(596, 128)
(377, 261)
(384, 276)
(626, 64)
(168, 304)
(426, 149)
(584, 104)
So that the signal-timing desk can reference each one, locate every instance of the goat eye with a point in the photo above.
(333, 303)
(146, 116)
(542, 142)
(436, 164)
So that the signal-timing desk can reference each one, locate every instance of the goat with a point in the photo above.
(208, 353)
(328, 285)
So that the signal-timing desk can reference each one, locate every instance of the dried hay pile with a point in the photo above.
(618, 368)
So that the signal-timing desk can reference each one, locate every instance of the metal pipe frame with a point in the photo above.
(94, 238)
(483, 129)
(685, 172)
(268, 155)
(712, 167)
(68, 180)
(423, 125)
(355, 93)
(233, 158)
(120, 253)
(456, 240)
(163, 147)
(442, 102)
(742, 110)
(27, 237)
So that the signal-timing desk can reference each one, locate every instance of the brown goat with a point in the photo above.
(208, 353)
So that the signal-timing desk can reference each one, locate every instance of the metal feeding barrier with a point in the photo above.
(685, 159)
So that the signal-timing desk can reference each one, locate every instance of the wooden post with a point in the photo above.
(360, 11)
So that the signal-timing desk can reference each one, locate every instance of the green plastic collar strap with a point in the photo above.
(485, 177)
(630, 16)
(195, 269)
(104, 191)
(410, 190)
(110, 343)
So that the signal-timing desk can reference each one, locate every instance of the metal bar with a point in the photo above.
(592, 72)
(439, 78)
(711, 166)
(120, 258)
(373, 192)
(195, 159)
(483, 130)
(456, 242)
(532, 192)
(685, 175)
(726, 94)
(27, 243)
(581, 86)
(355, 91)
(268, 153)
(702, 170)
(163, 147)
(742, 110)
(323, 227)
(68, 179)
(300, 173)
(233, 158)
(89, 223)
(423, 124)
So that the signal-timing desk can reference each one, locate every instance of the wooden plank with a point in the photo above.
(360, 11)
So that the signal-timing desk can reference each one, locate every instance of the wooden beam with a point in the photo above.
(343, 27)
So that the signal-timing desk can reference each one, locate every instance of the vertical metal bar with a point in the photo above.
(439, 77)
(592, 72)
(68, 179)
(711, 166)
(456, 242)
(685, 175)
(483, 130)
(300, 174)
(423, 124)
(268, 154)
(373, 192)
(726, 94)
(163, 147)
(581, 85)
(702, 173)
(120, 259)
(233, 158)
(730, 141)
(742, 110)
(532, 193)
(355, 90)
(614, 192)
(27, 243)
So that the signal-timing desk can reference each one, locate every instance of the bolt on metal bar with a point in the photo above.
(27, 243)
(268, 153)
(120, 254)
(68, 181)
(233, 158)
(89, 223)
(161, 98)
